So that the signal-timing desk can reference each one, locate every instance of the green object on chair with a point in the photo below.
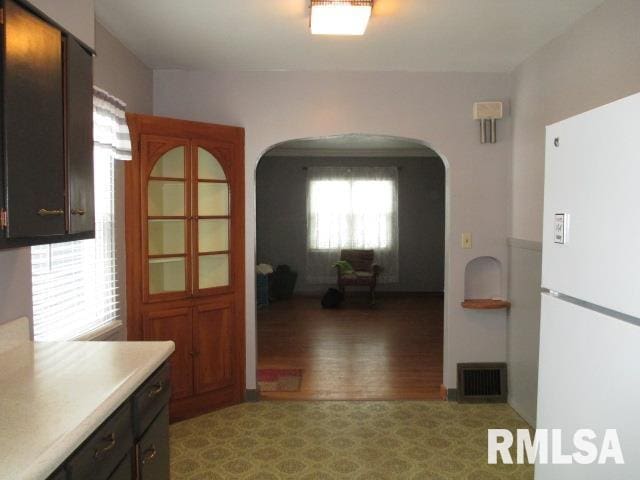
(344, 267)
(362, 271)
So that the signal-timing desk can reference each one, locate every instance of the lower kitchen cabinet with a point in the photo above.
(133, 443)
(153, 450)
(105, 448)
(124, 471)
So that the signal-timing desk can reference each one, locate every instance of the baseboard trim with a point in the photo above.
(452, 395)
(524, 244)
(522, 412)
(365, 293)
(251, 395)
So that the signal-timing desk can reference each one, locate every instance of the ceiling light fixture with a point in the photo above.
(340, 17)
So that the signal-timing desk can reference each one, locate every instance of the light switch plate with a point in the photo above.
(561, 228)
(466, 241)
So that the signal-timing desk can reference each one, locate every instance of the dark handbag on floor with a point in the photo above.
(332, 299)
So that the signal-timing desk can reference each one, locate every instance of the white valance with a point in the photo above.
(110, 125)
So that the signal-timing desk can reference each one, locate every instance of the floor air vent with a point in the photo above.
(482, 382)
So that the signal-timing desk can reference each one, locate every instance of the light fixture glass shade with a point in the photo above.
(340, 17)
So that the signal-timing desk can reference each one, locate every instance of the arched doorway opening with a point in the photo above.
(393, 350)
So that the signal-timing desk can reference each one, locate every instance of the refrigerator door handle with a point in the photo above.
(591, 306)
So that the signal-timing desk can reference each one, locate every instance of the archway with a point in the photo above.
(355, 151)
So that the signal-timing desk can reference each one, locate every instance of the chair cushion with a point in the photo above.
(364, 274)
(357, 278)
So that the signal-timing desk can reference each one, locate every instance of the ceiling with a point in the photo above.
(406, 35)
(353, 145)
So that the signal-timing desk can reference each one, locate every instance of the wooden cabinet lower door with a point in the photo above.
(174, 324)
(213, 340)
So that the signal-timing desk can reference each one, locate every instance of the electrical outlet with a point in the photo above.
(466, 240)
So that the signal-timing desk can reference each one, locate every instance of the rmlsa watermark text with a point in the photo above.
(587, 448)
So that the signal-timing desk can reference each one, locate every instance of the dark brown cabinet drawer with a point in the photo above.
(104, 450)
(153, 449)
(124, 471)
(150, 398)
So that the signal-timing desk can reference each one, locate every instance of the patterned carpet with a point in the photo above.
(343, 440)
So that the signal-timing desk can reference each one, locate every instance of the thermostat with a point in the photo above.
(561, 228)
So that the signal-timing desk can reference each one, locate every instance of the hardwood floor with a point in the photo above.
(392, 351)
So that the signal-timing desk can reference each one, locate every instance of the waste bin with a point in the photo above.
(283, 282)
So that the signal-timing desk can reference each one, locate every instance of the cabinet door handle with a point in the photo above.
(149, 454)
(99, 452)
(77, 211)
(157, 388)
(43, 212)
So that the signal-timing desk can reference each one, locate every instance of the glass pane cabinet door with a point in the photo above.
(167, 275)
(167, 223)
(213, 271)
(166, 237)
(213, 235)
(170, 165)
(213, 223)
(208, 166)
(213, 199)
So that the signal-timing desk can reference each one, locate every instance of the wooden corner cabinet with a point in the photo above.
(185, 255)
(46, 179)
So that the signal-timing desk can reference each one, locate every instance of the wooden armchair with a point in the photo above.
(365, 272)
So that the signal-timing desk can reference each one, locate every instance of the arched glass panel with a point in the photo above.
(208, 166)
(170, 165)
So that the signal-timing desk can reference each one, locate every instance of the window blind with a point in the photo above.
(74, 284)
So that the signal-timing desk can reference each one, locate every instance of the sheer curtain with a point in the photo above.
(351, 207)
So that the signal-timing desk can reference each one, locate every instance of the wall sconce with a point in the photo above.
(487, 113)
(340, 17)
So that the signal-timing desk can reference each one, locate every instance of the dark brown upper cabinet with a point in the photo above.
(47, 141)
(79, 135)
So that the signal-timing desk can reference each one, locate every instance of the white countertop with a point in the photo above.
(54, 395)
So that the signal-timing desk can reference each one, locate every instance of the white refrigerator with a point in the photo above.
(589, 367)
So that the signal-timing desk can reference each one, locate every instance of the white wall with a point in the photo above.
(523, 326)
(435, 108)
(594, 62)
(76, 16)
(122, 74)
(15, 284)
